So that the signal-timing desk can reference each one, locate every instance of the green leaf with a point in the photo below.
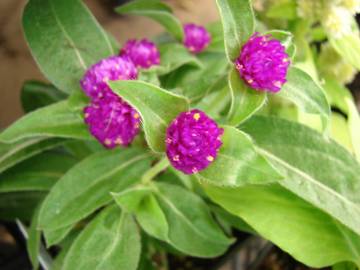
(110, 241)
(286, 39)
(140, 201)
(301, 89)
(156, 106)
(238, 23)
(35, 94)
(19, 205)
(238, 163)
(52, 121)
(217, 37)
(38, 173)
(282, 10)
(173, 56)
(315, 167)
(34, 241)
(298, 228)
(348, 46)
(244, 100)
(53, 237)
(87, 186)
(157, 11)
(12, 154)
(65, 32)
(191, 227)
(341, 97)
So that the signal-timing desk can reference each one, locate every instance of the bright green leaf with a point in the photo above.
(65, 39)
(157, 11)
(238, 23)
(315, 167)
(244, 100)
(55, 120)
(348, 46)
(156, 106)
(110, 241)
(53, 237)
(298, 228)
(87, 186)
(238, 163)
(301, 89)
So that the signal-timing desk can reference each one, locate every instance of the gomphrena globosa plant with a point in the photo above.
(165, 147)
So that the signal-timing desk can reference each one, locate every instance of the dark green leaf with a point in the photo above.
(87, 186)
(12, 154)
(110, 241)
(244, 100)
(298, 228)
(315, 167)
(36, 94)
(157, 11)
(238, 163)
(65, 39)
(156, 106)
(238, 22)
(55, 120)
(36, 174)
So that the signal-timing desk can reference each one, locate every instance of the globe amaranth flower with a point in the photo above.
(192, 141)
(94, 82)
(263, 63)
(112, 121)
(337, 21)
(143, 53)
(197, 38)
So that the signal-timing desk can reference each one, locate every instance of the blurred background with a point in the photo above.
(17, 65)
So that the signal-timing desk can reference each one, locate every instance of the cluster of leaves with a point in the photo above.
(113, 209)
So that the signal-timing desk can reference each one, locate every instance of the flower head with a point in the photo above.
(263, 63)
(94, 82)
(192, 141)
(197, 38)
(112, 121)
(143, 53)
(337, 21)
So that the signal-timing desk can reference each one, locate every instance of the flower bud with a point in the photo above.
(197, 38)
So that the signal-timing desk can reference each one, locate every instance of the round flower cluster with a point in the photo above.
(263, 63)
(110, 119)
(192, 141)
(94, 82)
(337, 21)
(143, 53)
(197, 38)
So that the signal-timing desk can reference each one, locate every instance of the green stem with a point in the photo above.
(152, 172)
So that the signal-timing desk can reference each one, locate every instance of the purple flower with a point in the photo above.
(263, 63)
(192, 141)
(112, 68)
(112, 121)
(197, 38)
(143, 53)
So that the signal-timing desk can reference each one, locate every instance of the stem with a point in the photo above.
(152, 172)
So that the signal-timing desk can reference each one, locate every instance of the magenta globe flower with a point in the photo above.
(94, 82)
(192, 141)
(112, 121)
(263, 63)
(197, 38)
(143, 53)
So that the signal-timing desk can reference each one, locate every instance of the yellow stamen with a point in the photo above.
(119, 141)
(176, 158)
(107, 141)
(250, 81)
(210, 158)
(196, 116)
(277, 83)
(136, 115)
